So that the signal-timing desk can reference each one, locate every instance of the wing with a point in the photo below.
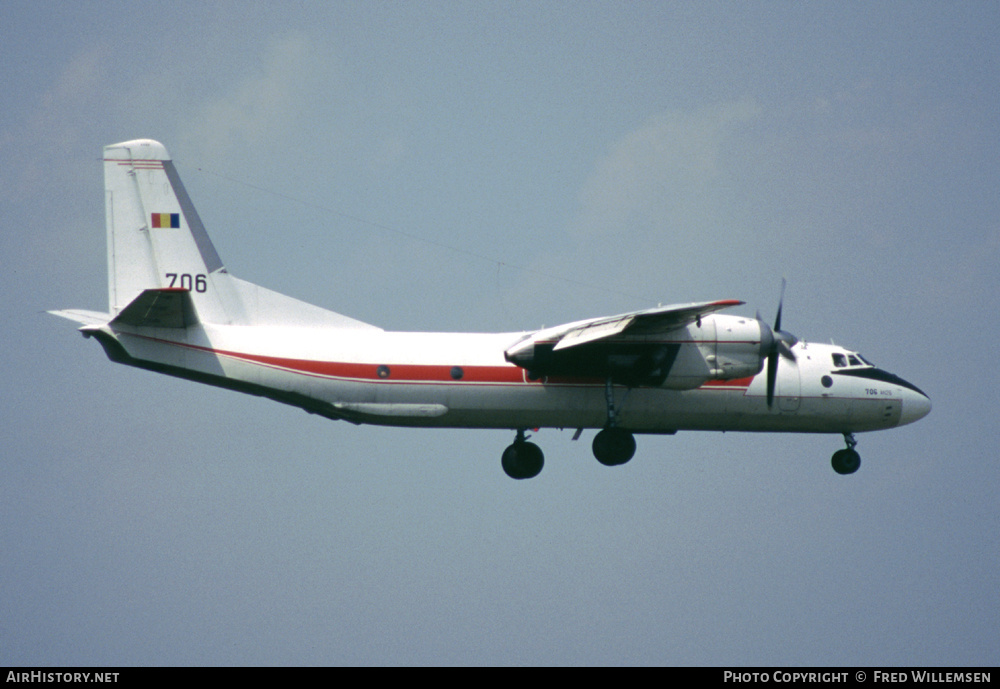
(606, 347)
(660, 319)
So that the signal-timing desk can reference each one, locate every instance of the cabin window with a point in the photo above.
(839, 360)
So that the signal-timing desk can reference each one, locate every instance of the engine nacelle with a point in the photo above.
(721, 347)
(716, 347)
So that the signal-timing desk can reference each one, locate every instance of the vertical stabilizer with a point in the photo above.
(157, 244)
(156, 239)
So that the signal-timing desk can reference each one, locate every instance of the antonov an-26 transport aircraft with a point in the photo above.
(175, 309)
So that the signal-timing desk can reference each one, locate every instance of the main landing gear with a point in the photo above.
(848, 460)
(613, 446)
(522, 459)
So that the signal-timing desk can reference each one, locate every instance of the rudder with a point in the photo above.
(156, 239)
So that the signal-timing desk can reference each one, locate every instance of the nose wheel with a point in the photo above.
(848, 460)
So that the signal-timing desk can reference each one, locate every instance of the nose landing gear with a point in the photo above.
(848, 460)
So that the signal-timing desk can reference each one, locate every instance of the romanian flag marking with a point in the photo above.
(166, 220)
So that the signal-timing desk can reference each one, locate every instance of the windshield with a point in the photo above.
(846, 359)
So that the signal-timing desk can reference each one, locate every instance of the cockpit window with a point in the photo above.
(850, 360)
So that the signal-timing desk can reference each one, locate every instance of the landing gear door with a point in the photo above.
(789, 385)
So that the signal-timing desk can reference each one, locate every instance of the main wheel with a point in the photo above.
(845, 461)
(613, 446)
(522, 460)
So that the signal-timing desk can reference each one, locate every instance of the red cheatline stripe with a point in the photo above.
(397, 372)
(415, 373)
(734, 383)
(409, 373)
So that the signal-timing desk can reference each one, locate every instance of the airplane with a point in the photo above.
(175, 309)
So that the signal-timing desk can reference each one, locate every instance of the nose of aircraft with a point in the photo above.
(916, 406)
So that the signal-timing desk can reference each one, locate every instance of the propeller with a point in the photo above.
(775, 342)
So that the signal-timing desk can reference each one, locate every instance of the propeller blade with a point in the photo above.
(774, 343)
(772, 374)
(781, 303)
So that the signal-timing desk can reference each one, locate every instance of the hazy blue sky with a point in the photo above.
(579, 159)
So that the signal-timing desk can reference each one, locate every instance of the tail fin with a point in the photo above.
(158, 249)
(156, 239)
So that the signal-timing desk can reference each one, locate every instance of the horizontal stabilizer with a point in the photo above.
(159, 308)
(83, 317)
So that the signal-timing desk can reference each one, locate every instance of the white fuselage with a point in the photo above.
(463, 380)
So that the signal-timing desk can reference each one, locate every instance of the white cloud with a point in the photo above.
(662, 167)
(265, 106)
(649, 226)
(36, 151)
